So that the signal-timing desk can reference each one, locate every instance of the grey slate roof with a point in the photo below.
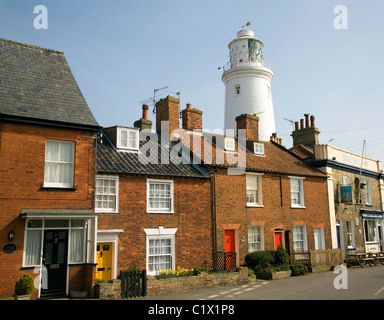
(37, 83)
(113, 161)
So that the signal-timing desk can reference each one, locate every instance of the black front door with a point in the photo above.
(55, 260)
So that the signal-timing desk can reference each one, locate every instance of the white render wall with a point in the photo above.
(249, 73)
(255, 98)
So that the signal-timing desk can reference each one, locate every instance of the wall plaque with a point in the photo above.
(9, 248)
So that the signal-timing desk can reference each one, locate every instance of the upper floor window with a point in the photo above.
(368, 197)
(127, 138)
(159, 196)
(297, 192)
(258, 148)
(254, 190)
(59, 164)
(237, 89)
(229, 144)
(107, 194)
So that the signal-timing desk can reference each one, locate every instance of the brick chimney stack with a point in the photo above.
(192, 118)
(308, 135)
(143, 123)
(250, 123)
(167, 109)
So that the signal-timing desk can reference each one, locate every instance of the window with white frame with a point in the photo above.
(368, 197)
(160, 249)
(229, 144)
(255, 238)
(319, 238)
(34, 232)
(350, 234)
(59, 164)
(346, 181)
(159, 196)
(258, 148)
(107, 194)
(297, 192)
(127, 138)
(254, 190)
(300, 239)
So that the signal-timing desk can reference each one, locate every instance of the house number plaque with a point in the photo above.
(9, 248)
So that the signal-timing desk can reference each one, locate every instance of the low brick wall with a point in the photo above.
(203, 280)
(111, 291)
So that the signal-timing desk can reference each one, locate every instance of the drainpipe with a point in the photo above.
(214, 212)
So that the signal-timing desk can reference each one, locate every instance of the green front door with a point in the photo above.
(55, 260)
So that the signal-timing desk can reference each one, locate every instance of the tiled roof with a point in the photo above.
(276, 158)
(113, 160)
(302, 151)
(37, 83)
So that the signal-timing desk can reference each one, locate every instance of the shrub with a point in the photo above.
(260, 259)
(24, 285)
(298, 269)
(281, 256)
(198, 270)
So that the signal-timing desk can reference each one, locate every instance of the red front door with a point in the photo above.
(229, 245)
(229, 239)
(278, 239)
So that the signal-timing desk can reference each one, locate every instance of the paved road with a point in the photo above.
(362, 283)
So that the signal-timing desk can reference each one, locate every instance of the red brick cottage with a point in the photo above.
(47, 173)
(154, 205)
(263, 195)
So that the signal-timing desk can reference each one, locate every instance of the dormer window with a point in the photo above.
(229, 144)
(258, 148)
(127, 138)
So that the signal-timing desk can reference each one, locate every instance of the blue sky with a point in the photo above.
(120, 51)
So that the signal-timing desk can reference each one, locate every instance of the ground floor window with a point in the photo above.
(319, 239)
(299, 238)
(350, 234)
(160, 249)
(255, 238)
(34, 239)
(370, 227)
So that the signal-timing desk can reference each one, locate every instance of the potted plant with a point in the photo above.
(24, 287)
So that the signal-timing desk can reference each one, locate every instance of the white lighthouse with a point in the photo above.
(248, 84)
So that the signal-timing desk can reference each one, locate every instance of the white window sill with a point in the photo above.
(160, 212)
(251, 205)
(298, 207)
(105, 211)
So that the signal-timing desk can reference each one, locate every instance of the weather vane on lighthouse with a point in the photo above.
(247, 24)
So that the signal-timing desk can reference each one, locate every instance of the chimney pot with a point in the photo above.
(296, 125)
(312, 121)
(306, 120)
(145, 112)
(301, 123)
(189, 106)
